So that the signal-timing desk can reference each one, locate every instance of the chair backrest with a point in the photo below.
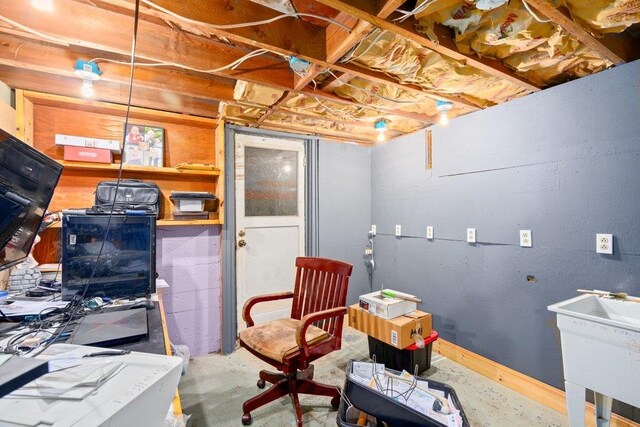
(321, 284)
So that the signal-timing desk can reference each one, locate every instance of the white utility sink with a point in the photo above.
(600, 351)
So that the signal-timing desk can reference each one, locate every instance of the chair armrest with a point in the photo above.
(310, 318)
(246, 315)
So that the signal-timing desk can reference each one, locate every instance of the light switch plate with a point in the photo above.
(373, 229)
(429, 231)
(398, 230)
(525, 238)
(604, 244)
(471, 235)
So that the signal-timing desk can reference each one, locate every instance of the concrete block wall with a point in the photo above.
(188, 258)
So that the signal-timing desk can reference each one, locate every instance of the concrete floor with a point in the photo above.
(215, 387)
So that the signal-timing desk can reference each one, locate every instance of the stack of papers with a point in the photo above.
(408, 391)
(71, 377)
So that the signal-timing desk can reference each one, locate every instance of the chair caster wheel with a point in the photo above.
(335, 402)
(246, 419)
(261, 383)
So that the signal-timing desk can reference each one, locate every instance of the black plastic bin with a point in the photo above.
(391, 411)
(399, 359)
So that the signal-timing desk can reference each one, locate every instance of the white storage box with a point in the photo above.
(386, 307)
(81, 141)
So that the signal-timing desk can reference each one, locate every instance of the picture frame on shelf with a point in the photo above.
(143, 146)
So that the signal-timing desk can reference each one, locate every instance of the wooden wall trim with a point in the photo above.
(24, 117)
(523, 384)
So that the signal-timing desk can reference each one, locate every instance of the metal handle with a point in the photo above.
(241, 233)
(242, 243)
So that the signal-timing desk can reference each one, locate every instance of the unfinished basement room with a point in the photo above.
(381, 213)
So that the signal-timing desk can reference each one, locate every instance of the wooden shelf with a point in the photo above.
(140, 169)
(169, 222)
(182, 222)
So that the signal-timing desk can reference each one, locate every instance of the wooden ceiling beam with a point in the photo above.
(614, 53)
(288, 36)
(35, 56)
(108, 31)
(445, 45)
(192, 12)
(107, 91)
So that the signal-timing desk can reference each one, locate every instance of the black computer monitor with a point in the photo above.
(127, 265)
(27, 181)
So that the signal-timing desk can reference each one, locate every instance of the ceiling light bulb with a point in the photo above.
(381, 137)
(444, 119)
(87, 88)
(44, 5)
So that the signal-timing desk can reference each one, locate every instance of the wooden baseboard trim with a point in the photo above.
(527, 386)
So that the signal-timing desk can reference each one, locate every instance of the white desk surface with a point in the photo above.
(139, 395)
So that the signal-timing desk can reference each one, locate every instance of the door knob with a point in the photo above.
(242, 243)
(241, 233)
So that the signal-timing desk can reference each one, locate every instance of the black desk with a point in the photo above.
(154, 342)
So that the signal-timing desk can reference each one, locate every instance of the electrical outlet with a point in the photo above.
(471, 235)
(604, 244)
(398, 230)
(525, 238)
(373, 229)
(429, 231)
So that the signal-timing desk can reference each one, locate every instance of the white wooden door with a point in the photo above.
(269, 221)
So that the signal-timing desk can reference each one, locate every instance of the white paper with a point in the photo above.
(161, 283)
(25, 308)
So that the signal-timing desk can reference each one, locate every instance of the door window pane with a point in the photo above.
(271, 182)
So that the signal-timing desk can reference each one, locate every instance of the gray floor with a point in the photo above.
(215, 387)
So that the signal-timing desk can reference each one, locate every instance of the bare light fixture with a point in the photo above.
(443, 107)
(88, 72)
(44, 5)
(381, 126)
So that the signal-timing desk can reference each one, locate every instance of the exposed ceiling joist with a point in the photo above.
(109, 91)
(193, 12)
(338, 43)
(35, 56)
(110, 32)
(614, 53)
(107, 31)
(446, 46)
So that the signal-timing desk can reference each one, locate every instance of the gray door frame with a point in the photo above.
(229, 297)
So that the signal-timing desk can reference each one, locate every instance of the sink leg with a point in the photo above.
(603, 409)
(575, 404)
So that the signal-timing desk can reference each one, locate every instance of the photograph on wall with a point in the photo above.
(143, 146)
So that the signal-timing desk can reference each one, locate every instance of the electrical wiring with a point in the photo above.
(536, 17)
(245, 24)
(34, 32)
(231, 66)
(340, 113)
(396, 101)
(77, 304)
(371, 44)
(419, 8)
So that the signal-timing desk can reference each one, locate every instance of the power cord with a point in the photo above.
(76, 305)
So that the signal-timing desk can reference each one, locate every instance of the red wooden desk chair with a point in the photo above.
(313, 330)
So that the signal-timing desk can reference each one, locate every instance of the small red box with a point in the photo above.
(84, 154)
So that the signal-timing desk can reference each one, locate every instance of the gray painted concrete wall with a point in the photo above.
(345, 208)
(563, 163)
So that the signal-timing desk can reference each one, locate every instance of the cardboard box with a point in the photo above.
(81, 141)
(386, 307)
(82, 154)
(396, 332)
